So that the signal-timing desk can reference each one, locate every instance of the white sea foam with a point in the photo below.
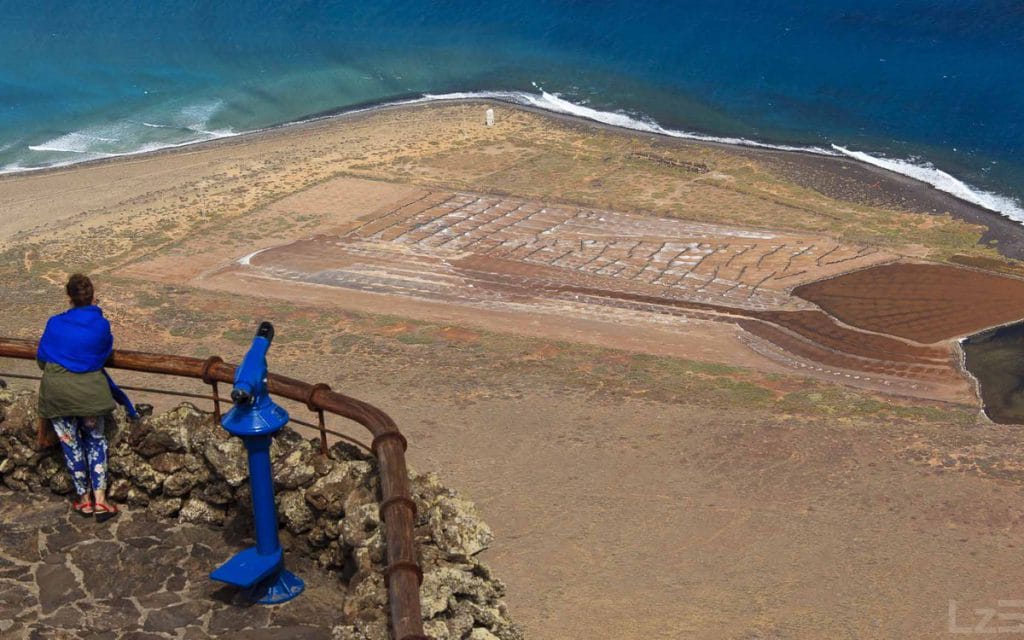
(923, 172)
(926, 172)
(557, 104)
(195, 118)
(125, 138)
(84, 156)
(85, 141)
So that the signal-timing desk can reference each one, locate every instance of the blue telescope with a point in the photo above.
(255, 418)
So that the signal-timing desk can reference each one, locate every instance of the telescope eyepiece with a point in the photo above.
(266, 330)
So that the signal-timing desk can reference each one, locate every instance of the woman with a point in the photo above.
(77, 396)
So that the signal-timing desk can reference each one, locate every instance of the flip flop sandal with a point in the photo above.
(80, 508)
(103, 512)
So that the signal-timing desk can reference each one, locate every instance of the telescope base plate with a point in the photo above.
(263, 577)
(276, 589)
(248, 567)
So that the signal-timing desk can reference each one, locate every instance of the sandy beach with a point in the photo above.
(651, 362)
(840, 178)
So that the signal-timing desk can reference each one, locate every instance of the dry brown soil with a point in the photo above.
(594, 336)
(921, 302)
(495, 260)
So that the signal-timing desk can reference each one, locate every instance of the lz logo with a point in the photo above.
(1006, 617)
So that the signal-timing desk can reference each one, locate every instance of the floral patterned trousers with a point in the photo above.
(85, 450)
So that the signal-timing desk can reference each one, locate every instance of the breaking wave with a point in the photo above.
(926, 172)
(190, 125)
(920, 171)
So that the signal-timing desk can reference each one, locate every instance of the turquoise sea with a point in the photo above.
(931, 89)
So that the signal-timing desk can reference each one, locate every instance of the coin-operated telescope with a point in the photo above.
(255, 418)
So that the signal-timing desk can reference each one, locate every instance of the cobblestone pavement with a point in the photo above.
(63, 576)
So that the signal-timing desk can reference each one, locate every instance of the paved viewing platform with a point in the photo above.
(136, 577)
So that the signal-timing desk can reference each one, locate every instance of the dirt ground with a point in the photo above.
(664, 286)
(639, 519)
(593, 336)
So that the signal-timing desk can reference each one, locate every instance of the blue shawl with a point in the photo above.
(80, 341)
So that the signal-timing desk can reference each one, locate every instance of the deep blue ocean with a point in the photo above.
(934, 89)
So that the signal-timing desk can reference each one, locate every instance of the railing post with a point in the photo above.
(210, 380)
(216, 402)
(323, 432)
(312, 406)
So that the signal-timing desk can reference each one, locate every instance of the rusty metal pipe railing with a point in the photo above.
(321, 427)
(402, 574)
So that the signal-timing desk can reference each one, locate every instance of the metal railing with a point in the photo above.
(402, 575)
(321, 426)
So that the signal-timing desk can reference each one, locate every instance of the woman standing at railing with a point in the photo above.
(76, 394)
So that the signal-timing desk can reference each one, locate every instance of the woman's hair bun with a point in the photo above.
(79, 289)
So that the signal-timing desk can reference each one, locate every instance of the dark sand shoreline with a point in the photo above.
(841, 178)
(861, 183)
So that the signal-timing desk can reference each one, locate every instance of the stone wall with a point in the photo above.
(181, 465)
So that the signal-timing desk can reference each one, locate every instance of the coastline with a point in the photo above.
(770, 449)
(840, 177)
(858, 182)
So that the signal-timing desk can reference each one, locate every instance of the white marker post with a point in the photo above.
(489, 117)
